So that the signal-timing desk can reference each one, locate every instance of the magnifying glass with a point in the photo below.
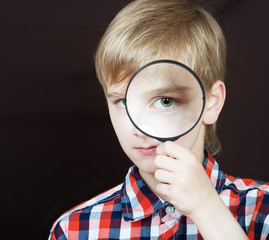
(165, 100)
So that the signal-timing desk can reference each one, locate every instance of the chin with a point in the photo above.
(147, 166)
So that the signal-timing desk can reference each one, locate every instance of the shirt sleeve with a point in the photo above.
(57, 233)
(259, 227)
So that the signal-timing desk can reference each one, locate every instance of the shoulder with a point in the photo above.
(248, 200)
(90, 209)
(248, 194)
(244, 185)
(248, 190)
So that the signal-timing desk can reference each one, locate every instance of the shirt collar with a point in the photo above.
(136, 199)
(139, 202)
(214, 172)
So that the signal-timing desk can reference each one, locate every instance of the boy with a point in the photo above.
(175, 190)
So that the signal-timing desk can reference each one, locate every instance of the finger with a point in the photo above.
(173, 150)
(164, 176)
(165, 162)
(163, 189)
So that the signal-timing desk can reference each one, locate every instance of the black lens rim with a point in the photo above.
(190, 71)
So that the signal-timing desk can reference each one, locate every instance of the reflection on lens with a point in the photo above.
(165, 100)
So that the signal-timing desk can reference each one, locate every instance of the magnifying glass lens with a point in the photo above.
(164, 100)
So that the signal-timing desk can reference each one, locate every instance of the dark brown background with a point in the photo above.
(57, 146)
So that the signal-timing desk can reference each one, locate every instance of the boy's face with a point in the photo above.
(137, 146)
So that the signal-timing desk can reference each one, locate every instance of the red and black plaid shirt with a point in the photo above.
(132, 211)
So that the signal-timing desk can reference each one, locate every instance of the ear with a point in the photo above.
(214, 102)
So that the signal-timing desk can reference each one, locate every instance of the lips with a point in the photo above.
(146, 150)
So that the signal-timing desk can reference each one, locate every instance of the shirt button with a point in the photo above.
(170, 210)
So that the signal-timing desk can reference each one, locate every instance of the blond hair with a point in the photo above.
(148, 30)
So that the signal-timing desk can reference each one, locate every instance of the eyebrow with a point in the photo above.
(157, 91)
(114, 94)
(167, 90)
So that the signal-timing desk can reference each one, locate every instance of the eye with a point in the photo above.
(164, 103)
(167, 102)
(121, 102)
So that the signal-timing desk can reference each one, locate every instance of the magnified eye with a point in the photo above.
(164, 103)
(167, 102)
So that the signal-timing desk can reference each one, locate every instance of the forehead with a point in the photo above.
(165, 74)
(158, 76)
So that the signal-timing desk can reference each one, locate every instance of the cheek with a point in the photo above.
(123, 133)
(121, 125)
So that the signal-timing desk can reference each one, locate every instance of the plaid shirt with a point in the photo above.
(132, 211)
